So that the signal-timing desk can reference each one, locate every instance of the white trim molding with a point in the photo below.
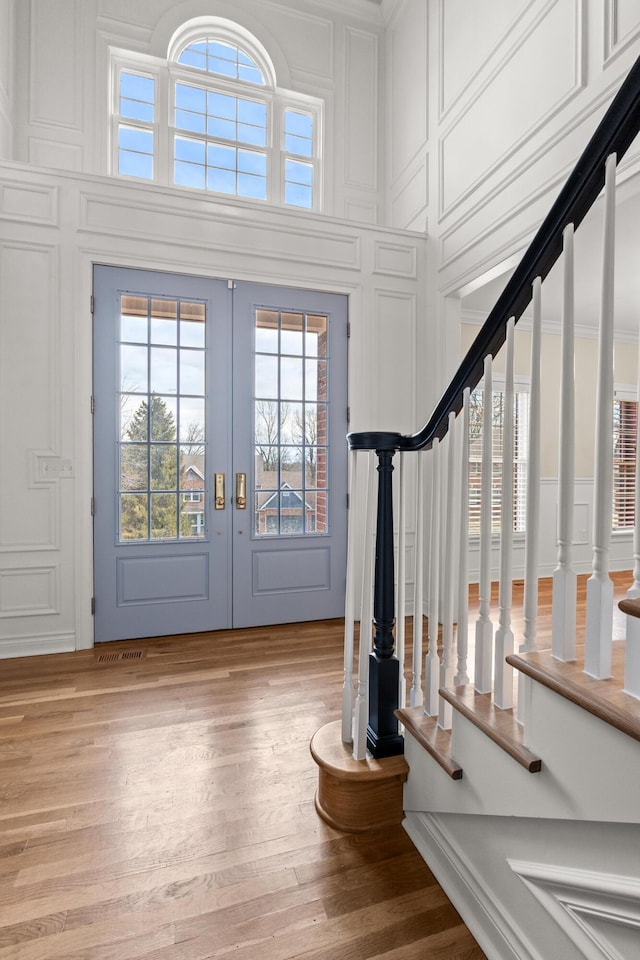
(597, 911)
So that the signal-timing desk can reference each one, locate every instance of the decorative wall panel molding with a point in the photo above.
(478, 37)
(28, 202)
(498, 933)
(27, 591)
(621, 26)
(394, 330)
(307, 40)
(598, 912)
(410, 201)
(555, 38)
(53, 153)
(55, 80)
(361, 211)
(6, 48)
(263, 237)
(361, 119)
(395, 260)
(29, 417)
(134, 12)
(36, 644)
(407, 69)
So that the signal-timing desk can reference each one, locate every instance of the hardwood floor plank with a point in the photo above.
(162, 809)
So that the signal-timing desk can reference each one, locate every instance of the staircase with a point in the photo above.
(519, 729)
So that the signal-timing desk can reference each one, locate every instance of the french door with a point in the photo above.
(219, 454)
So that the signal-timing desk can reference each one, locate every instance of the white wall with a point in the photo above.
(488, 106)
(6, 77)
(329, 50)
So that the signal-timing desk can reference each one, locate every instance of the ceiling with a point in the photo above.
(588, 271)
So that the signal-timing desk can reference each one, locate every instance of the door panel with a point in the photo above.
(289, 552)
(162, 351)
(219, 500)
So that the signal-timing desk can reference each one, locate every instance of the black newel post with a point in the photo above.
(383, 739)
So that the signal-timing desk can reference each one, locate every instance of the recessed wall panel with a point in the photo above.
(55, 77)
(469, 33)
(6, 32)
(395, 335)
(28, 591)
(511, 108)
(407, 49)
(624, 18)
(28, 392)
(361, 126)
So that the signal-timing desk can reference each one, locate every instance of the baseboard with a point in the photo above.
(37, 645)
(496, 933)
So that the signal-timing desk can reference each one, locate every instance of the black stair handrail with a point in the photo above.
(614, 134)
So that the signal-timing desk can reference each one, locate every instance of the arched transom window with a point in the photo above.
(211, 118)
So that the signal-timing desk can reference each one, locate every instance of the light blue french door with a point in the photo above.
(219, 454)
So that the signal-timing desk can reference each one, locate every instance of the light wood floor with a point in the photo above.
(162, 808)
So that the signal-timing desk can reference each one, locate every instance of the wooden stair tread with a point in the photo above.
(501, 726)
(432, 737)
(630, 606)
(604, 699)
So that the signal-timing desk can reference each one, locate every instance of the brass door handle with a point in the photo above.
(241, 491)
(219, 491)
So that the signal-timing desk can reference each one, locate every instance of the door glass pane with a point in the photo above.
(164, 374)
(191, 324)
(163, 516)
(164, 328)
(266, 377)
(291, 387)
(266, 331)
(162, 490)
(291, 339)
(192, 372)
(134, 366)
(316, 336)
(290, 425)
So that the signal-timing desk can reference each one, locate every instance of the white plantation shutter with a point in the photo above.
(521, 424)
(625, 435)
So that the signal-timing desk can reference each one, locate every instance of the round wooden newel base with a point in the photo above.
(356, 795)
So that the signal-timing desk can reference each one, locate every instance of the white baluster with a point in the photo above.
(361, 717)
(400, 592)
(462, 637)
(532, 521)
(563, 630)
(432, 662)
(484, 626)
(632, 651)
(350, 605)
(599, 585)
(449, 560)
(416, 698)
(503, 673)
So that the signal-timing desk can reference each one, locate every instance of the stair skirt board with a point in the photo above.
(496, 934)
(588, 910)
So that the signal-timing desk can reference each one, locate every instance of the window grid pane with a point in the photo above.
(209, 164)
(290, 432)
(135, 139)
(224, 59)
(162, 419)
